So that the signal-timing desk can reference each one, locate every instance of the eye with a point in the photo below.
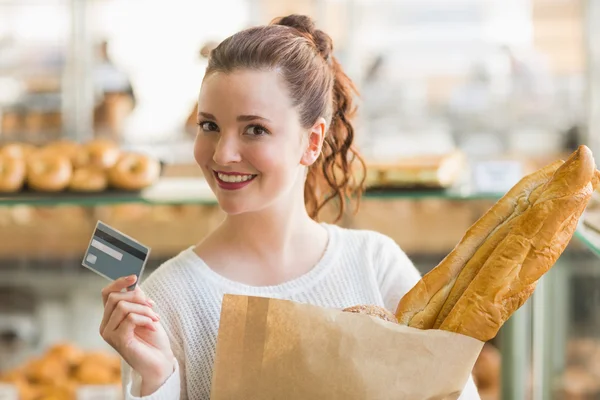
(208, 126)
(256, 130)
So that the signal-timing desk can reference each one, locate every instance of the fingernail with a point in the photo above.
(151, 302)
(130, 278)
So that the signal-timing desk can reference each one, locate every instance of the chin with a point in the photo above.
(232, 207)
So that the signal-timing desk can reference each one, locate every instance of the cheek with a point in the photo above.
(202, 151)
(273, 159)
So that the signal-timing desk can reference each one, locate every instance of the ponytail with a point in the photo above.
(334, 176)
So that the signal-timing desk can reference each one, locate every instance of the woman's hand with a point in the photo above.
(132, 328)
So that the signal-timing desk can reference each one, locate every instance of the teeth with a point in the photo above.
(234, 178)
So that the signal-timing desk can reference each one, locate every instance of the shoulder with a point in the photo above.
(364, 238)
(367, 243)
(393, 270)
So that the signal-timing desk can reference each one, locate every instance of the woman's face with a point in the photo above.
(250, 144)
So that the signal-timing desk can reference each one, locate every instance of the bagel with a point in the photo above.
(13, 171)
(48, 171)
(97, 153)
(66, 147)
(18, 150)
(88, 179)
(134, 171)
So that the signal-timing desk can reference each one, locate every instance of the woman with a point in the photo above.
(274, 133)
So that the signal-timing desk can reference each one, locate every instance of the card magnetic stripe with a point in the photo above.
(100, 234)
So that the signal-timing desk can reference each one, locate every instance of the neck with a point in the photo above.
(266, 247)
(270, 231)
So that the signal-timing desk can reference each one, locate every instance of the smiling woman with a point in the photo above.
(276, 143)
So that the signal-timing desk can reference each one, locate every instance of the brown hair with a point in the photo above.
(317, 85)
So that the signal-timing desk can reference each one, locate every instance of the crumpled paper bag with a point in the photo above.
(278, 349)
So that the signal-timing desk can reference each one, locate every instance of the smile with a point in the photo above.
(231, 178)
(233, 181)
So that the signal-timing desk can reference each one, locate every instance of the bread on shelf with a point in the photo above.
(431, 171)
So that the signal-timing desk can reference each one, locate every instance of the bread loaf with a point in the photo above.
(373, 311)
(496, 266)
(420, 307)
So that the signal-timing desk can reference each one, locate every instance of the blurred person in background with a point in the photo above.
(115, 94)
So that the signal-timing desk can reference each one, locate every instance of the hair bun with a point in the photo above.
(305, 25)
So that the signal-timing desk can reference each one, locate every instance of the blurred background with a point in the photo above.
(459, 99)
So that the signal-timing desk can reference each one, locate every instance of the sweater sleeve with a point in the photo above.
(396, 273)
(170, 390)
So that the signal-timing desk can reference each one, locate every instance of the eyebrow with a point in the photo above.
(240, 118)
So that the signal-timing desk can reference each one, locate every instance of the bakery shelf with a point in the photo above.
(170, 190)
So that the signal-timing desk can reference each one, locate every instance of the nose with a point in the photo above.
(227, 150)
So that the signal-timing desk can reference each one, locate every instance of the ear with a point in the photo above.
(316, 136)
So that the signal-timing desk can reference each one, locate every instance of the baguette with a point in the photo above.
(495, 267)
(420, 307)
(510, 274)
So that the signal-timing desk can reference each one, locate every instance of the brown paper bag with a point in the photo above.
(279, 349)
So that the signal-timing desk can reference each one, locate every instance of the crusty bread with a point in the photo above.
(509, 275)
(420, 307)
(373, 311)
(436, 170)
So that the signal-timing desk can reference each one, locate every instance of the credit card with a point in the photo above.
(113, 255)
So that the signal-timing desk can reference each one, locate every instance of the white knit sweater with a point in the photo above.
(358, 267)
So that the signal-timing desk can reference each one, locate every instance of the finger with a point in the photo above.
(136, 296)
(133, 321)
(130, 323)
(117, 286)
(124, 309)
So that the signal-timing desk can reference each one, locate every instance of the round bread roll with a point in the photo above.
(134, 172)
(89, 179)
(66, 352)
(486, 372)
(374, 311)
(27, 391)
(580, 351)
(18, 150)
(65, 147)
(48, 171)
(577, 381)
(13, 171)
(91, 374)
(100, 358)
(98, 368)
(98, 153)
(47, 370)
